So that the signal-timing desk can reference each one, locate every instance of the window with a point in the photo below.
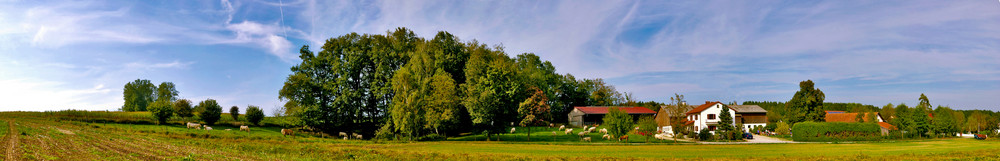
(695, 128)
(711, 116)
(711, 128)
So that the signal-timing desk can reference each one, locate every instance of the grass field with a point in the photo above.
(28, 136)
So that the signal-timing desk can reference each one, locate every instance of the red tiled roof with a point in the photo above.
(701, 108)
(886, 126)
(688, 123)
(604, 110)
(845, 117)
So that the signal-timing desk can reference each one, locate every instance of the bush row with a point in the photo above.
(835, 131)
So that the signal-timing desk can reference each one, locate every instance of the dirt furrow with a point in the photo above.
(11, 141)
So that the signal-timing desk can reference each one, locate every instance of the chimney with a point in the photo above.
(707, 102)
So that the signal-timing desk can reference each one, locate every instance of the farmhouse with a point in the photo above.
(841, 116)
(707, 116)
(595, 115)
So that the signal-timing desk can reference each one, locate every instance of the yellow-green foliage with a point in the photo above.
(835, 131)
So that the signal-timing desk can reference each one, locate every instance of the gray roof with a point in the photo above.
(747, 109)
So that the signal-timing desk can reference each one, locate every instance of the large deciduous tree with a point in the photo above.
(806, 104)
(346, 85)
(425, 95)
(493, 89)
(534, 110)
(138, 95)
(166, 91)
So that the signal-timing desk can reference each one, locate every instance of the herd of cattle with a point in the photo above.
(284, 132)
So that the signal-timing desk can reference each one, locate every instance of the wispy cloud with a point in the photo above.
(175, 64)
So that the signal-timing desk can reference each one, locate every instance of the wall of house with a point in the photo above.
(702, 120)
(576, 117)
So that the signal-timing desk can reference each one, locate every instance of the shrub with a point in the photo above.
(212, 113)
(782, 129)
(431, 137)
(704, 134)
(254, 114)
(161, 111)
(771, 127)
(235, 112)
(836, 131)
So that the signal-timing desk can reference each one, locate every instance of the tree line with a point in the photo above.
(162, 103)
(401, 86)
(922, 120)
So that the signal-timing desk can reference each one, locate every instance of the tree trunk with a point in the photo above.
(529, 133)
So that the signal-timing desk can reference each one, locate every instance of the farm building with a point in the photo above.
(595, 115)
(707, 115)
(841, 116)
(663, 119)
(749, 116)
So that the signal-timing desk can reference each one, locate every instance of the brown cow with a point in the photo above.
(287, 132)
(623, 137)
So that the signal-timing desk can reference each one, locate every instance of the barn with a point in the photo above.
(595, 115)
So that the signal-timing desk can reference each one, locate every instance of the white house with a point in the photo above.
(706, 116)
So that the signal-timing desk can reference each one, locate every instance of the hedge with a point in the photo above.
(836, 131)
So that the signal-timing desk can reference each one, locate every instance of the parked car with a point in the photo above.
(980, 136)
(748, 136)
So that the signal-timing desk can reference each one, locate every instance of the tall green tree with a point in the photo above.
(959, 121)
(161, 111)
(904, 119)
(425, 95)
(183, 108)
(346, 85)
(167, 91)
(888, 112)
(806, 104)
(944, 121)
(725, 123)
(493, 89)
(235, 113)
(921, 120)
(618, 122)
(924, 103)
(572, 93)
(212, 111)
(138, 95)
(254, 114)
(534, 110)
(603, 94)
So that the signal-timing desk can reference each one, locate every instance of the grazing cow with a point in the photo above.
(512, 130)
(570, 130)
(561, 127)
(586, 139)
(344, 134)
(287, 132)
(245, 128)
(623, 137)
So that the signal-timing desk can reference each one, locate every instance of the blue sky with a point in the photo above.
(79, 54)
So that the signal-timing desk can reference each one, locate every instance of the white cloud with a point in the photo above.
(39, 95)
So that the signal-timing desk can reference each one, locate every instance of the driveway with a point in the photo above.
(757, 139)
(765, 139)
